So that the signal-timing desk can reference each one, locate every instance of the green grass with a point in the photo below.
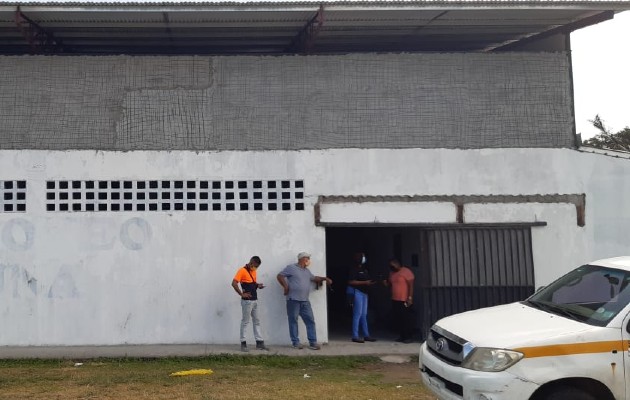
(234, 377)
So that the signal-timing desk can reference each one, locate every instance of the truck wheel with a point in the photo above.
(569, 393)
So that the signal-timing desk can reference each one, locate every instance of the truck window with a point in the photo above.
(590, 294)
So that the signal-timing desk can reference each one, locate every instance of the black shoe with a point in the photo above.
(407, 341)
(369, 339)
(399, 339)
(244, 347)
(357, 340)
(260, 345)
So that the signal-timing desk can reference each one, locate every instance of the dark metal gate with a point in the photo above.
(465, 269)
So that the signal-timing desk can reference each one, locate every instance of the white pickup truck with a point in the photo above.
(568, 341)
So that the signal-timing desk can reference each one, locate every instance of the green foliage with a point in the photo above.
(608, 140)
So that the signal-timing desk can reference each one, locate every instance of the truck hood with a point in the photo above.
(510, 326)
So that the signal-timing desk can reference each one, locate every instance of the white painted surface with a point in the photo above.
(69, 279)
(388, 212)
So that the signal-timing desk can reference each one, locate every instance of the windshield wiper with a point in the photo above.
(537, 304)
(555, 309)
(568, 313)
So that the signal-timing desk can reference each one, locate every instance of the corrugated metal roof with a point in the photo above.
(450, 3)
(228, 27)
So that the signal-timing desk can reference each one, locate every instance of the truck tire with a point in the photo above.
(569, 393)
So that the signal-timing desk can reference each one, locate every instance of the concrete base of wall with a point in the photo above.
(332, 348)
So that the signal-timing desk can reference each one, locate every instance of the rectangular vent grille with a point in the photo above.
(174, 195)
(12, 196)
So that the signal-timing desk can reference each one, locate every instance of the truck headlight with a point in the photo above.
(491, 360)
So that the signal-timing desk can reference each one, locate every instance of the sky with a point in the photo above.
(601, 74)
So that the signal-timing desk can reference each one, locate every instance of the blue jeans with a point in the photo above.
(350, 295)
(304, 310)
(359, 314)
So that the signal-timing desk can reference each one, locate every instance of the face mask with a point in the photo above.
(363, 260)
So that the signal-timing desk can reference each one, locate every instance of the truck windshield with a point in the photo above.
(590, 294)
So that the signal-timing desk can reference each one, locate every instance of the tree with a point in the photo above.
(605, 139)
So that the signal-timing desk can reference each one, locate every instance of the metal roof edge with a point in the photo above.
(604, 152)
(616, 5)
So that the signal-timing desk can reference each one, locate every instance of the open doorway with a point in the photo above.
(379, 244)
(457, 268)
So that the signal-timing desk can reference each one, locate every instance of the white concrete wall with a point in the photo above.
(156, 277)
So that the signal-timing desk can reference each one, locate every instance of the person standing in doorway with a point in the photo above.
(360, 282)
(296, 281)
(246, 277)
(401, 282)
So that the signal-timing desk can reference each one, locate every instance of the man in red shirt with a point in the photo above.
(401, 281)
(246, 276)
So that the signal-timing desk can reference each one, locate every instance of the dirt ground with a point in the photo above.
(396, 373)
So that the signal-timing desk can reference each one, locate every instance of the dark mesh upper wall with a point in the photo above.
(292, 102)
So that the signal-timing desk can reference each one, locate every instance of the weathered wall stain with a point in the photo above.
(31, 282)
(99, 235)
(123, 326)
(63, 286)
(135, 233)
(18, 279)
(18, 234)
(19, 282)
(11, 271)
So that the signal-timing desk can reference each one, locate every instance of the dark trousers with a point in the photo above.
(403, 319)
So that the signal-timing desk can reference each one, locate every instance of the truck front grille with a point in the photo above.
(446, 346)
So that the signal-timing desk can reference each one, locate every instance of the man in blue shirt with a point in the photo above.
(296, 280)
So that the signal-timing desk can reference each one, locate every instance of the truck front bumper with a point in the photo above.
(449, 382)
